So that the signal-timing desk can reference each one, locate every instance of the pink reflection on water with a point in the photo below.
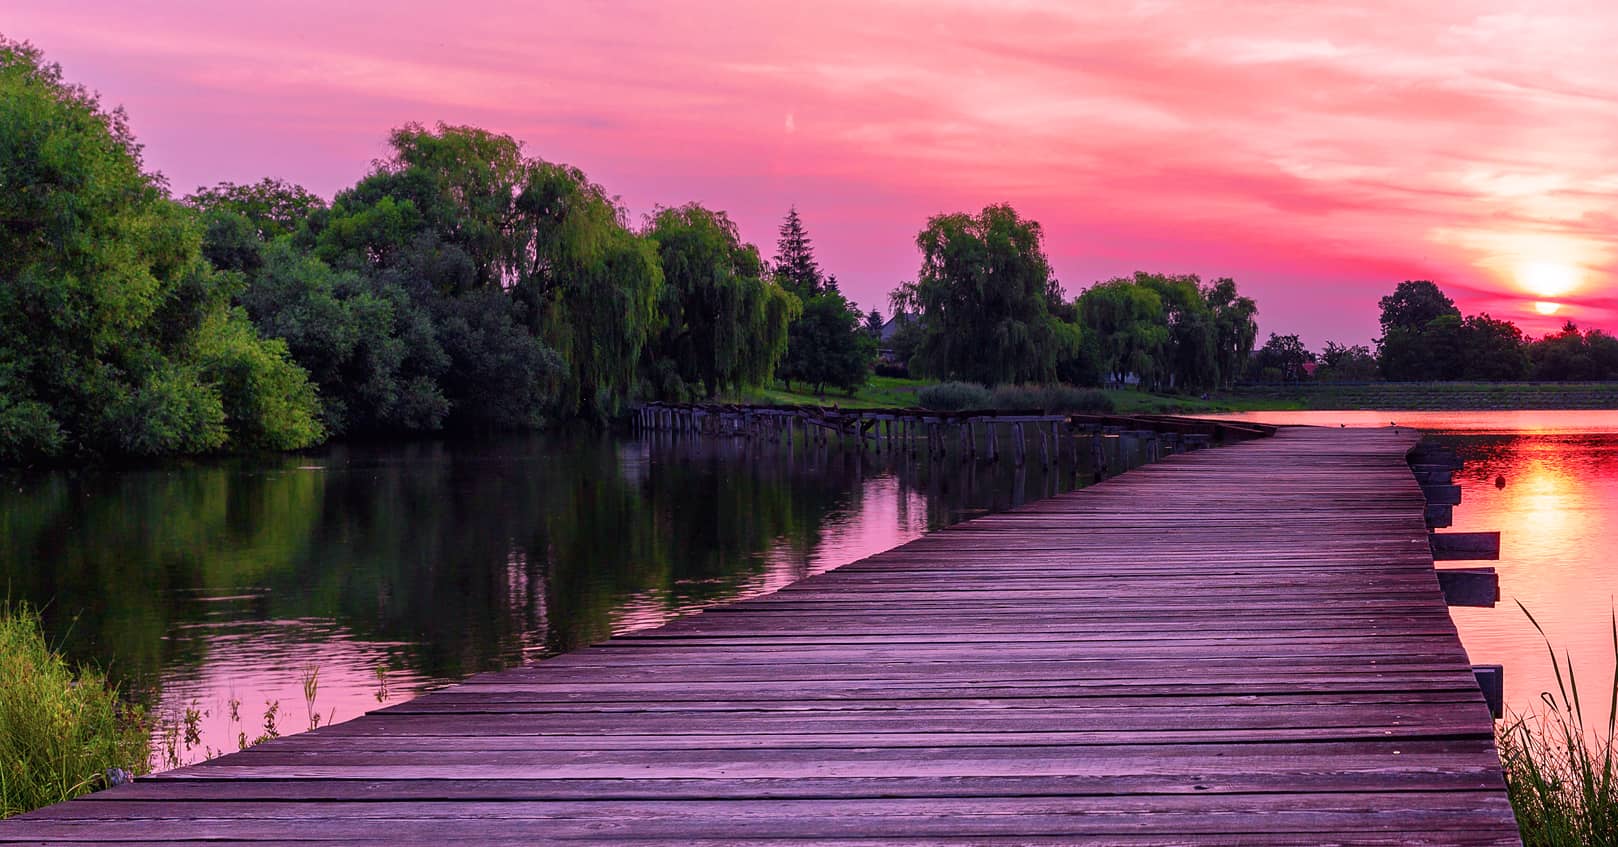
(882, 514)
(1556, 515)
(259, 663)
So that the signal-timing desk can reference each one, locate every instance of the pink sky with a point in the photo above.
(1317, 152)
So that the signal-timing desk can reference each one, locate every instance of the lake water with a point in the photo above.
(220, 587)
(1557, 514)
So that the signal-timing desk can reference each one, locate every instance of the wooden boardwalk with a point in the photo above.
(1245, 645)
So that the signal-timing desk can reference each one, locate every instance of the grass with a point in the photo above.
(895, 392)
(881, 392)
(1561, 774)
(62, 732)
(1437, 396)
(884, 392)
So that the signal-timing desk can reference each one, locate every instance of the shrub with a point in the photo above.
(1050, 398)
(954, 396)
(266, 398)
(61, 733)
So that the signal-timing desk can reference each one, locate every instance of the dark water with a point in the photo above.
(221, 587)
(1557, 514)
(388, 569)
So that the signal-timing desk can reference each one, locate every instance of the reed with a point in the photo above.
(63, 732)
(1561, 773)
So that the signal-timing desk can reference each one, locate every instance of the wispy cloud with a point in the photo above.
(1319, 152)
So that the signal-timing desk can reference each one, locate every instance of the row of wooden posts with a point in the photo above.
(1434, 466)
(967, 435)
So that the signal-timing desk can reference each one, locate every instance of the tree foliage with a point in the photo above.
(1282, 359)
(984, 298)
(1172, 332)
(372, 348)
(795, 267)
(827, 345)
(116, 335)
(272, 207)
(1346, 363)
(725, 322)
(1573, 355)
(1424, 337)
(1124, 319)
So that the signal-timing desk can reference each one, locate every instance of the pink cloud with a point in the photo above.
(1319, 153)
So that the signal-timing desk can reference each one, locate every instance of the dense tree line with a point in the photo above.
(988, 309)
(116, 334)
(1425, 337)
(460, 285)
(463, 285)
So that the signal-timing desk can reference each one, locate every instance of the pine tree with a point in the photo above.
(795, 264)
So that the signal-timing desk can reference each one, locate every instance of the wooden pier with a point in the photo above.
(1246, 645)
(956, 435)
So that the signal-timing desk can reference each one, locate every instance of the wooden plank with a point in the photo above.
(1261, 655)
(1465, 546)
(1470, 586)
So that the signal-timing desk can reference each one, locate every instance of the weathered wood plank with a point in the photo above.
(1227, 647)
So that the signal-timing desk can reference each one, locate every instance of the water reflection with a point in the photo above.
(1558, 520)
(1556, 514)
(219, 587)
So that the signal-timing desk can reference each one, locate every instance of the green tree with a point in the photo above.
(112, 324)
(1414, 304)
(267, 399)
(272, 207)
(457, 210)
(873, 323)
(1405, 351)
(590, 286)
(827, 346)
(725, 323)
(795, 267)
(1191, 357)
(1126, 321)
(500, 376)
(984, 298)
(1283, 357)
(372, 349)
(1495, 349)
(1235, 328)
(1573, 355)
(1345, 363)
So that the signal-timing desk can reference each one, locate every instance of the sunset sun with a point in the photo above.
(1547, 279)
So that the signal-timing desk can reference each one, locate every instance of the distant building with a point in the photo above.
(885, 352)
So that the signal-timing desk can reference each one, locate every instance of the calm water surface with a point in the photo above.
(1558, 520)
(221, 588)
(385, 570)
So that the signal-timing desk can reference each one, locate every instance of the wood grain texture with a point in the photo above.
(1245, 645)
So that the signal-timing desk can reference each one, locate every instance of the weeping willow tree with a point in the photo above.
(591, 282)
(984, 296)
(725, 322)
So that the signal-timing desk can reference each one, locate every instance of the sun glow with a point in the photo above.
(1546, 307)
(1547, 279)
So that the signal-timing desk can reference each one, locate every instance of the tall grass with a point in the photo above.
(61, 733)
(1561, 774)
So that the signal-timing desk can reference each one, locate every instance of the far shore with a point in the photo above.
(894, 392)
